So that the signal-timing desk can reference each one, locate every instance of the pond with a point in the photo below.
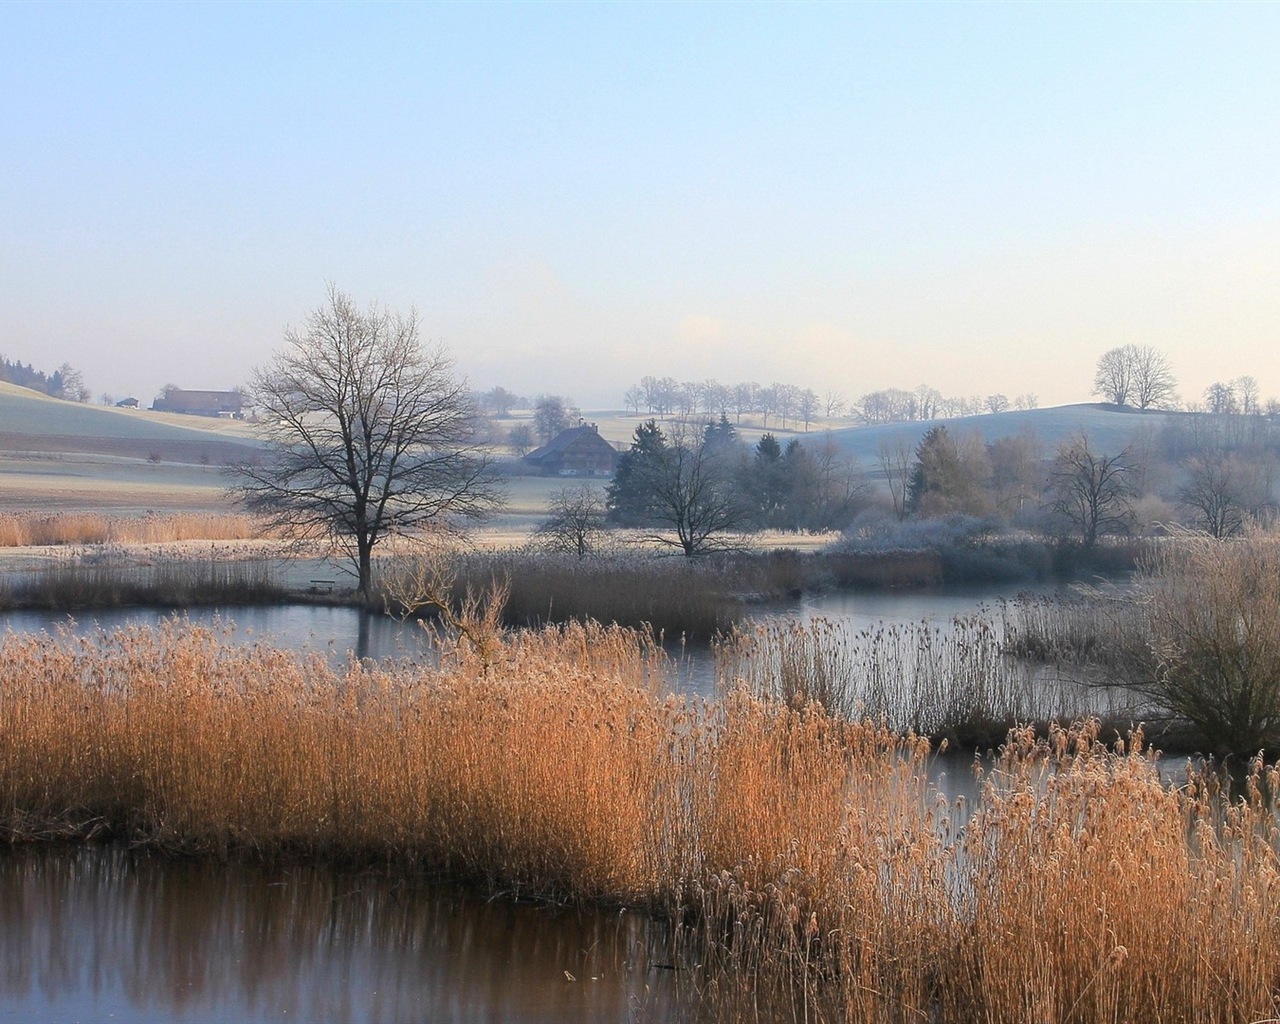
(102, 933)
(341, 632)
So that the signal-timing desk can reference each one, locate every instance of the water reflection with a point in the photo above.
(87, 933)
(338, 632)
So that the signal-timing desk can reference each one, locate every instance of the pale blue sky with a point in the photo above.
(978, 197)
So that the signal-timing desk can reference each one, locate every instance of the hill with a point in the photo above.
(32, 423)
(1109, 428)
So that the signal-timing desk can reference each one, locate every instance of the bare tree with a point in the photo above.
(68, 383)
(1221, 399)
(690, 486)
(1222, 493)
(499, 401)
(520, 440)
(1152, 379)
(997, 403)
(1246, 388)
(807, 406)
(552, 414)
(1135, 375)
(1112, 378)
(834, 403)
(896, 459)
(367, 434)
(1091, 491)
(928, 402)
(576, 521)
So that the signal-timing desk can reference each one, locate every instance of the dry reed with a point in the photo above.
(806, 869)
(35, 530)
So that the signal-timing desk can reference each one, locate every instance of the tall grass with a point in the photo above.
(806, 869)
(35, 530)
(952, 680)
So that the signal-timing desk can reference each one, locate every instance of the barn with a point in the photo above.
(578, 451)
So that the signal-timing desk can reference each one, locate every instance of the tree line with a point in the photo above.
(65, 382)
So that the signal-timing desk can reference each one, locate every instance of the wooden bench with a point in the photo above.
(323, 586)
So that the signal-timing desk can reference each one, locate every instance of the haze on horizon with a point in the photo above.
(981, 198)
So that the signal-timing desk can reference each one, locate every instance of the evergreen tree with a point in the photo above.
(629, 498)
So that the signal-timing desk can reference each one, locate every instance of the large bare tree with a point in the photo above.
(367, 434)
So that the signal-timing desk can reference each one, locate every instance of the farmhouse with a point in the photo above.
(199, 403)
(578, 451)
(127, 403)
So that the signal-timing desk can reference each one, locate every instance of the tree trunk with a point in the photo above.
(365, 587)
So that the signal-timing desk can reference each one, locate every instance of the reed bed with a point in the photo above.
(666, 595)
(114, 583)
(35, 530)
(952, 680)
(805, 868)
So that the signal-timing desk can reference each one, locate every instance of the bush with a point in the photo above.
(1213, 626)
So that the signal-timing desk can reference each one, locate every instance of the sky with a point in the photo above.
(846, 197)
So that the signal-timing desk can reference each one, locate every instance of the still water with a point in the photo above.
(93, 934)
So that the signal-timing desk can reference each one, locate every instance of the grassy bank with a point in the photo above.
(801, 857)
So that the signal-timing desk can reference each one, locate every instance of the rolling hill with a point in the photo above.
(32, 423)
(1109, 429)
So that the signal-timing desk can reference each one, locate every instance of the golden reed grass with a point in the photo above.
(35, 530)
(804, 865)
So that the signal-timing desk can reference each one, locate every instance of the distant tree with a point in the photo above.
(1092, 492)
(807, 406)
(1135, 375)
(575, 522)
(1247, 391)
(1222, 492)
(786, 400)
(895, 466)
(520, 440)
(997, 403)
(1113, 377)
(928, 402)
(1152, 379)
(1016, 474)
(713, 397)
(367, 434)
(841, 488)
(692, 493)
(721, 435)
(68, 383)
(1220, 399)
(499, 401)
(551, 415)
(834, 404)
(678, 483)
(628, 499)
(686, 395)
(634, 398)
(948, 476)
(765, 485)
(744, 399)
(766, 403)
(1029, 400)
